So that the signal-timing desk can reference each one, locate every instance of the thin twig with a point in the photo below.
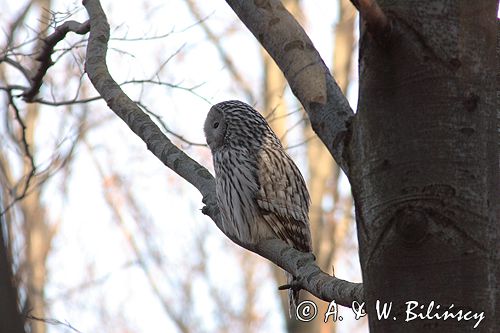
(165, 62)
(54, 164)
(11, 87)
(131, 114)
(17, 22)
(52, 321)
(68, 102)
(170, 85)
(215, 40)
(165, 127)
(17, 66)
(27, 153)
(302, 143)
(48, 48)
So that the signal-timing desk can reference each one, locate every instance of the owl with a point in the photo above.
(260, 191)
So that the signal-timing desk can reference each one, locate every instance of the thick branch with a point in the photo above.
(309, 78)
(48, 47)
(133, 116)
(310, 276)
(375, 19)
(299, 264)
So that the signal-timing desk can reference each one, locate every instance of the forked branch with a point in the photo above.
(301, 265)
(373, 16)
(48, 48)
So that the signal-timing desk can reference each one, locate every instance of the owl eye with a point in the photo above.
(216, 124)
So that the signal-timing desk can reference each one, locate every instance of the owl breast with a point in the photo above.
(236, 186)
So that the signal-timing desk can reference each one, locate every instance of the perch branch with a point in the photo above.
(300, 264)
(309, 78)
(48, 47)
(132, 115)
(309, 276)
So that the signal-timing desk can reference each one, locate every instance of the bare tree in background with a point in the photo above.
(421, 153)
(29, 216)
(330, 225)
(23, 207)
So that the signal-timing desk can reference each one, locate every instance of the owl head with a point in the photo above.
(236, 124)
(215, 127)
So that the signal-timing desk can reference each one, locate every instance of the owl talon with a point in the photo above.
(285, 287)
(294, 285)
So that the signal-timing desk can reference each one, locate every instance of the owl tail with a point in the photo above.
(293, 297)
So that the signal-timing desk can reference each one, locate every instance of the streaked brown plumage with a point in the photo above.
(260, 191)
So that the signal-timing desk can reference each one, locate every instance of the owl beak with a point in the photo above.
(209, 142)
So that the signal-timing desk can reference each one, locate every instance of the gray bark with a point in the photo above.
(424, 159)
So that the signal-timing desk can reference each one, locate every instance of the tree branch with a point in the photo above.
(134, 117)
(309, 78)
(310, 277)
(46, 53)
(355, 3)
(52, 321)
(373, 16)
(300, 264)
(27, 153)
(165, 127)
(16, 65)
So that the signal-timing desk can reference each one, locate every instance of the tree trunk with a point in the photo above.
(424, 166)
(10, 318)
(36, 229)
(38, 238)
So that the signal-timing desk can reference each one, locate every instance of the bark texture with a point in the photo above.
(424, 163)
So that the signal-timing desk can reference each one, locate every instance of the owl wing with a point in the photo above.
(283, 198)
